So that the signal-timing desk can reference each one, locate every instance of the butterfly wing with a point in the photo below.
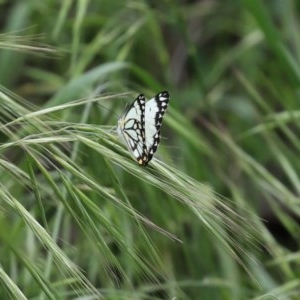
(131, 126)
(154, 111)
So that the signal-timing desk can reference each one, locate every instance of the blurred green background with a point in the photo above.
(216, 216)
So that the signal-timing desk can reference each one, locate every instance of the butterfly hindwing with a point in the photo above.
(140, 126)
(131, 128)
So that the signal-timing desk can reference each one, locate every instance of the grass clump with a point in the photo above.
(214, 215)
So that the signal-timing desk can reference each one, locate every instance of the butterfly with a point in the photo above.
(140, 126)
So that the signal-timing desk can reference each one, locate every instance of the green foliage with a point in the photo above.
(80, 219)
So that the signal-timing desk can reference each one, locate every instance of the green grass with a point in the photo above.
(80, 219)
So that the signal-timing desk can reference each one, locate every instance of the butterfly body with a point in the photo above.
(140, 126)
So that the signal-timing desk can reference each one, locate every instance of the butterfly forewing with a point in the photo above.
(154, 112)
(140, 126)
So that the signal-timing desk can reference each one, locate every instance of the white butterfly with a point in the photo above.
(140, 126)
